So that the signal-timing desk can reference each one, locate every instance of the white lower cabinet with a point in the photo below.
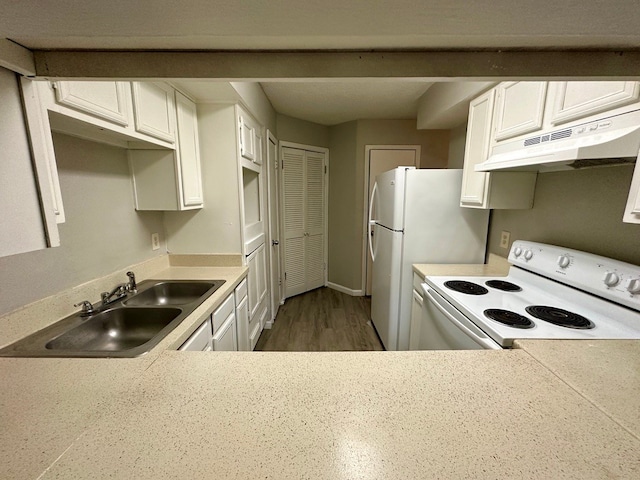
(200, 340)
(242, 316)
(225, 340)
(219, 331)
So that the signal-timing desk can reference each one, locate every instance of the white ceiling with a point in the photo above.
(330, 24)
(331, 103)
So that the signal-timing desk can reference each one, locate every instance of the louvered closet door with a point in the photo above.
(304, 206)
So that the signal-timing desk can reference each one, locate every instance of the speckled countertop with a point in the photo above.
(550, 409)
(495, 266)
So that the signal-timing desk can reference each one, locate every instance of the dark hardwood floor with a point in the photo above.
(321, 320)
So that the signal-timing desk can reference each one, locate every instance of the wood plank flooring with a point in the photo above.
(322, 320)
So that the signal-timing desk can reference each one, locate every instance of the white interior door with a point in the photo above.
(304, 209)
(381, 159)
(274, 224)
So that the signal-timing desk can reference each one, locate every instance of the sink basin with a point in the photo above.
(125, 328)
(172, 293)
(115, 330)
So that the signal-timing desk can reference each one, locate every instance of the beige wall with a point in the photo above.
(103, 232)
(257, 102)
(300, 131)
(346, 184)
(457, 139)
(345, 222)
(580, 210)
(216, 227)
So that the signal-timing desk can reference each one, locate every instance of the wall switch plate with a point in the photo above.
(504, 239)
(155, 241)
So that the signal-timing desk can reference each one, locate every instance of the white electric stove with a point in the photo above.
(550, 292)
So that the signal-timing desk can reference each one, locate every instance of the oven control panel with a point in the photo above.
(611, 279)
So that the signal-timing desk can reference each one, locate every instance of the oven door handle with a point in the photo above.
(479, 337)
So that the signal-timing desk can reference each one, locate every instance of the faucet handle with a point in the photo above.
(87, 308)
(132, 286)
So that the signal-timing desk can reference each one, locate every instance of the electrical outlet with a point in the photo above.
(155, 241)
(504, 239)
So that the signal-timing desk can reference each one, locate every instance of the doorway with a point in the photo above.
(382, 158)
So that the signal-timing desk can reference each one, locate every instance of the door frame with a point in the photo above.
(275, 183)
(365, 213)
(283, 253)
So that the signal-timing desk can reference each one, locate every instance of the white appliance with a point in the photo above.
(416, 218)
(550, 292)
(608, 140)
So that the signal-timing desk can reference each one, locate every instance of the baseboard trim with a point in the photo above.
(348, 291)
(268, 324)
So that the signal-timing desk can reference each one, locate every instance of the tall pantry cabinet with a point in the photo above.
(233, 218)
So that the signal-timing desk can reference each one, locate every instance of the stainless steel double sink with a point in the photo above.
(127, 328)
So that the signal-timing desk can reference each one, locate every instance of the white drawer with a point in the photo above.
(225, 339)
(417, 282)
(200, 340)
(255, 333)
(222, 312)
(241, 291)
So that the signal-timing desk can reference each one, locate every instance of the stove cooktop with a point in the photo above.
(526, 305)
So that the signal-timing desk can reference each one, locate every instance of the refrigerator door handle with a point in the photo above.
(371, 221)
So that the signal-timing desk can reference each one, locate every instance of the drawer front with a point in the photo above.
(255, 333)
(200, 340)
(241, 291)
(223, 312)
(417, 282)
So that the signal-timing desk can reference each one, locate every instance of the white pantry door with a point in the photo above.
(304, 219)
(382, 158)
(274, 224)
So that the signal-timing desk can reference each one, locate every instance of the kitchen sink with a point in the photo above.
(115, 330)
(171, 293)
(129, 327)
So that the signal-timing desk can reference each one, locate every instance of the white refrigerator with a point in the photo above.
(416, 218)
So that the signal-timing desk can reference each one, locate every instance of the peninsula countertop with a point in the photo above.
(451, 414)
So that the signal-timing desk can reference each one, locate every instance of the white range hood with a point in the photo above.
(605, 141)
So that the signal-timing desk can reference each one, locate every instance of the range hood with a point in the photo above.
(608, 140)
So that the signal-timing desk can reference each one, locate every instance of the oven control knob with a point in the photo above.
(564, 261)
(528, 254)
(517, 252)
(611, 279)
(633, 286)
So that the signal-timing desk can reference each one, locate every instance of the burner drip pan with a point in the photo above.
(506, 317)
(502, 285)
(468, 288)
(560, 317)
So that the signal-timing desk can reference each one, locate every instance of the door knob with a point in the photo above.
(275, 242)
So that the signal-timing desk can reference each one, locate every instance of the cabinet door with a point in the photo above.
(252, 283)
(575, 100)
(519, 108)
(632, 209)
(224, 340)
(154, 110)
(261, 272)
(200, 339)
(242, 324)
(259, 151)
(475, 185)
(188, 152)
(247, 138)
(106, 100)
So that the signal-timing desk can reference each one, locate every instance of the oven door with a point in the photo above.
(444, 328)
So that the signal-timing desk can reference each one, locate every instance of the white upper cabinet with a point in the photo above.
(247, 137)
(475, 184)
(519, 108)
(166, 179)
(154, 110)
(106, 100)
(576, 100)
(632, 209)
(188, 152)
(507, 190)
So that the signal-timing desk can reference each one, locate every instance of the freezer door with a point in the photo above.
(388, 204)
(385, 286)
